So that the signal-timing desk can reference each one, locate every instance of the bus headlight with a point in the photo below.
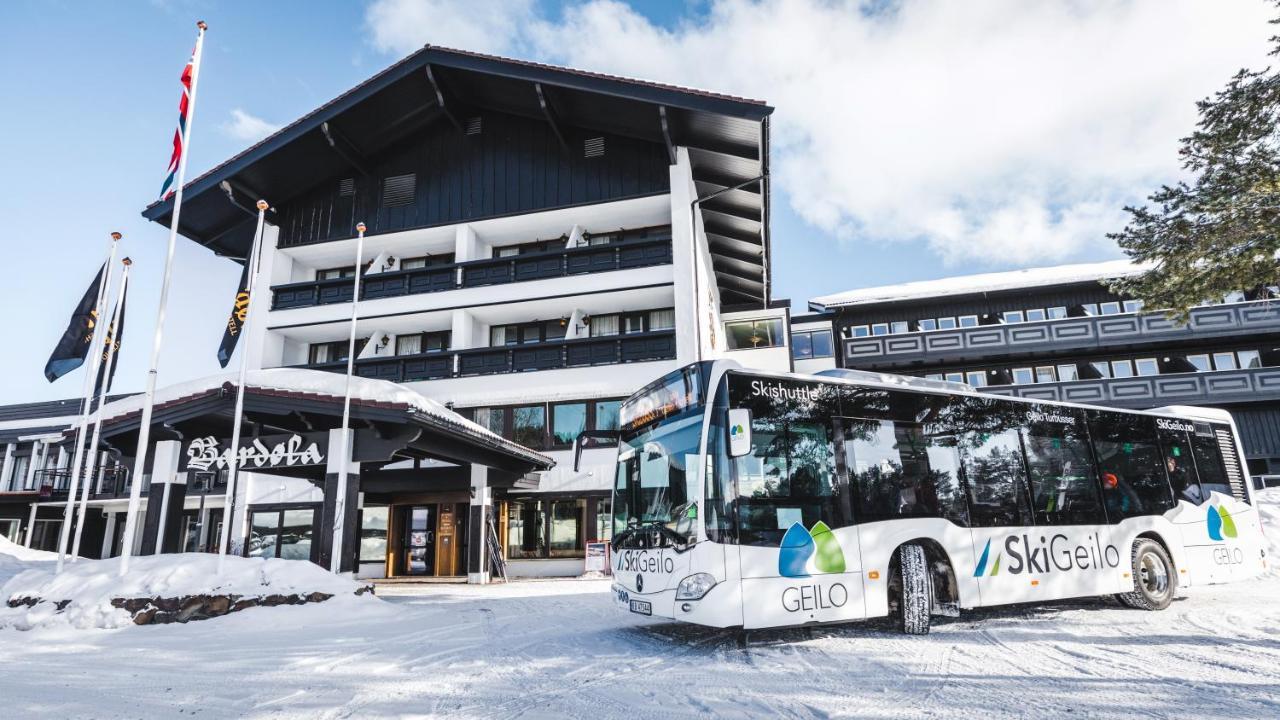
(695, 586)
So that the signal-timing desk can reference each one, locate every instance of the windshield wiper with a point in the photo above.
(679, 542)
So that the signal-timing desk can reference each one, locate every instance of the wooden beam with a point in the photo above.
(666, 133)
(344, 148)
(550, 115)
(439, 92)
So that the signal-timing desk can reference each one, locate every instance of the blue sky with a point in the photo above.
(869, 189)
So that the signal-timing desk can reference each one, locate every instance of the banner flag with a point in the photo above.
(112, 347)
(235, 321)
(73, 347)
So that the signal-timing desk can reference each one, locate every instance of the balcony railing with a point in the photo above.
(1065, 335)
(1196, 388)
(478, 273)
(583, 352)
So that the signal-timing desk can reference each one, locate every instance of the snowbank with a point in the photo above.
(82, 596)
(1268, 504)
(25, 554)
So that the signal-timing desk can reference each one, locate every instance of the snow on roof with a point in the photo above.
(985, 282)
(364, 391)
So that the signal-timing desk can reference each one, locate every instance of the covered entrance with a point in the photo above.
(431, 470)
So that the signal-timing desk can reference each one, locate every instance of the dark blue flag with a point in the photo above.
(73, 347)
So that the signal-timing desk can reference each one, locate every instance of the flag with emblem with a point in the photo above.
(235, 321)
(74, 344)
(115, 334)
(178, 135)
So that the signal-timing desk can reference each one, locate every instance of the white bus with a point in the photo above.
(754, 499)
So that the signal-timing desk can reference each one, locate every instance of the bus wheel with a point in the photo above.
(915, 591)
(1154, 579)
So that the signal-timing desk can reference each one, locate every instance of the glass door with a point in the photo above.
(419, 541)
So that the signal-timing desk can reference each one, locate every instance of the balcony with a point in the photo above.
(1218, 387)
(556, 355)
(622, 255)
(1062, 336)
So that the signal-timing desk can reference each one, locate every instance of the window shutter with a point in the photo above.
(593, 147)
(398, 190)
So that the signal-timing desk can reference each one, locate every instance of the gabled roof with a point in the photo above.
(982, 283)
(727, 138)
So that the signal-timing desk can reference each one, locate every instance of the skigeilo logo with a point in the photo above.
(1219, 523)
(798, 545)
(981, 569)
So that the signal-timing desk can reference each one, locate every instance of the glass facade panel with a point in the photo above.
(529, 426)
(756, 334)
(526, 529)
(373, 534)
(566, 527)
(822, 346)
(801, 346)
(264, 537)
(296, 531)
(607, 414)
(567, 421)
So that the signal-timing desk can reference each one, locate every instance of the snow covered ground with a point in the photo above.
(559, 649)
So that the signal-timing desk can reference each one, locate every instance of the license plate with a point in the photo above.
(641, 606)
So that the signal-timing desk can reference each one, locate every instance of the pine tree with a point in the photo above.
(1220, 232)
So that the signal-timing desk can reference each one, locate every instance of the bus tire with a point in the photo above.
(915, 594)
(1154, 578)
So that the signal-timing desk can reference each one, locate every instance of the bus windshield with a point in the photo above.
(658, 476)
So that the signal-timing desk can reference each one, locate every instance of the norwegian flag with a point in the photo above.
(180, 134)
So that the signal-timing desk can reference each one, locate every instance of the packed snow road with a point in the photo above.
(558, 649)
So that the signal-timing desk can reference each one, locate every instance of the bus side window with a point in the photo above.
(898, 471)
(996, 476)
(1179, 466)
(1064, 483)
(1213, 476)
(1135, 478)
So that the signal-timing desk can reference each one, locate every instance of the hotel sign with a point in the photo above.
(266, 452)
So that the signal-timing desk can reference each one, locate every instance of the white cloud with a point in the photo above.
(246, 127)
(1002, 131)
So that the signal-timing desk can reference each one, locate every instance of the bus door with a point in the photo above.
(798, 556)
(1209, 517)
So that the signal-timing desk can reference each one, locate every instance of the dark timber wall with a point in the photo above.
(511, 165)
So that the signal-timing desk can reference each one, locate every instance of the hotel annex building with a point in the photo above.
(541, 243)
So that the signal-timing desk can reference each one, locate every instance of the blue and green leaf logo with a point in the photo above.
(736, 430)
(981, 569)
(1219, 523)
(799, 544)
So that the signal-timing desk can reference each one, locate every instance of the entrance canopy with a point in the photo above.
(287, 411)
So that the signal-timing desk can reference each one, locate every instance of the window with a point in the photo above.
(955, 377)
(976, 379)
(822, 344)
(606, 414)
(408, 344)
(1199, 362)
(897, 469)
(787, 478)
(373, 534)
(947, 323)
(1056, 313)
(755, 334)
(1147, 367)
(336, 273)
(1064, 486)
(859, 331)
(1035, 315)
(899, 327)
(1179, 465)
(1012, 316)
(492, 419)
(529, 426)
(1102, 368)
(1208, 457)
(1250, 359)
(801, 346)
(1234, 296)
(1133, 306)
(335, 351)
(413, 263)
(1109, 308)
(604, 325)
(567, 421)
(526, 529)
(1044, 374)
(929, 324)
(282, 532)
(1023, 376)
(633, 323)
(1068, 373)
(1134, 480)
(1224, 361)
(10, 529)
(880, 328)
(968, 321)
(604, 524)
(811, 344)
(566, 526)
(662, 319)
(934, 376)
(1121, 369)
(996, 477)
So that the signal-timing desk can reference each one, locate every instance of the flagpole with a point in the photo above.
(144, 431)
(340, 502)
(109, 357)
(86, 403)
(233, 455)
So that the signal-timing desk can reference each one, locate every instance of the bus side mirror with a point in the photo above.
(591, 439)
(739, 429)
